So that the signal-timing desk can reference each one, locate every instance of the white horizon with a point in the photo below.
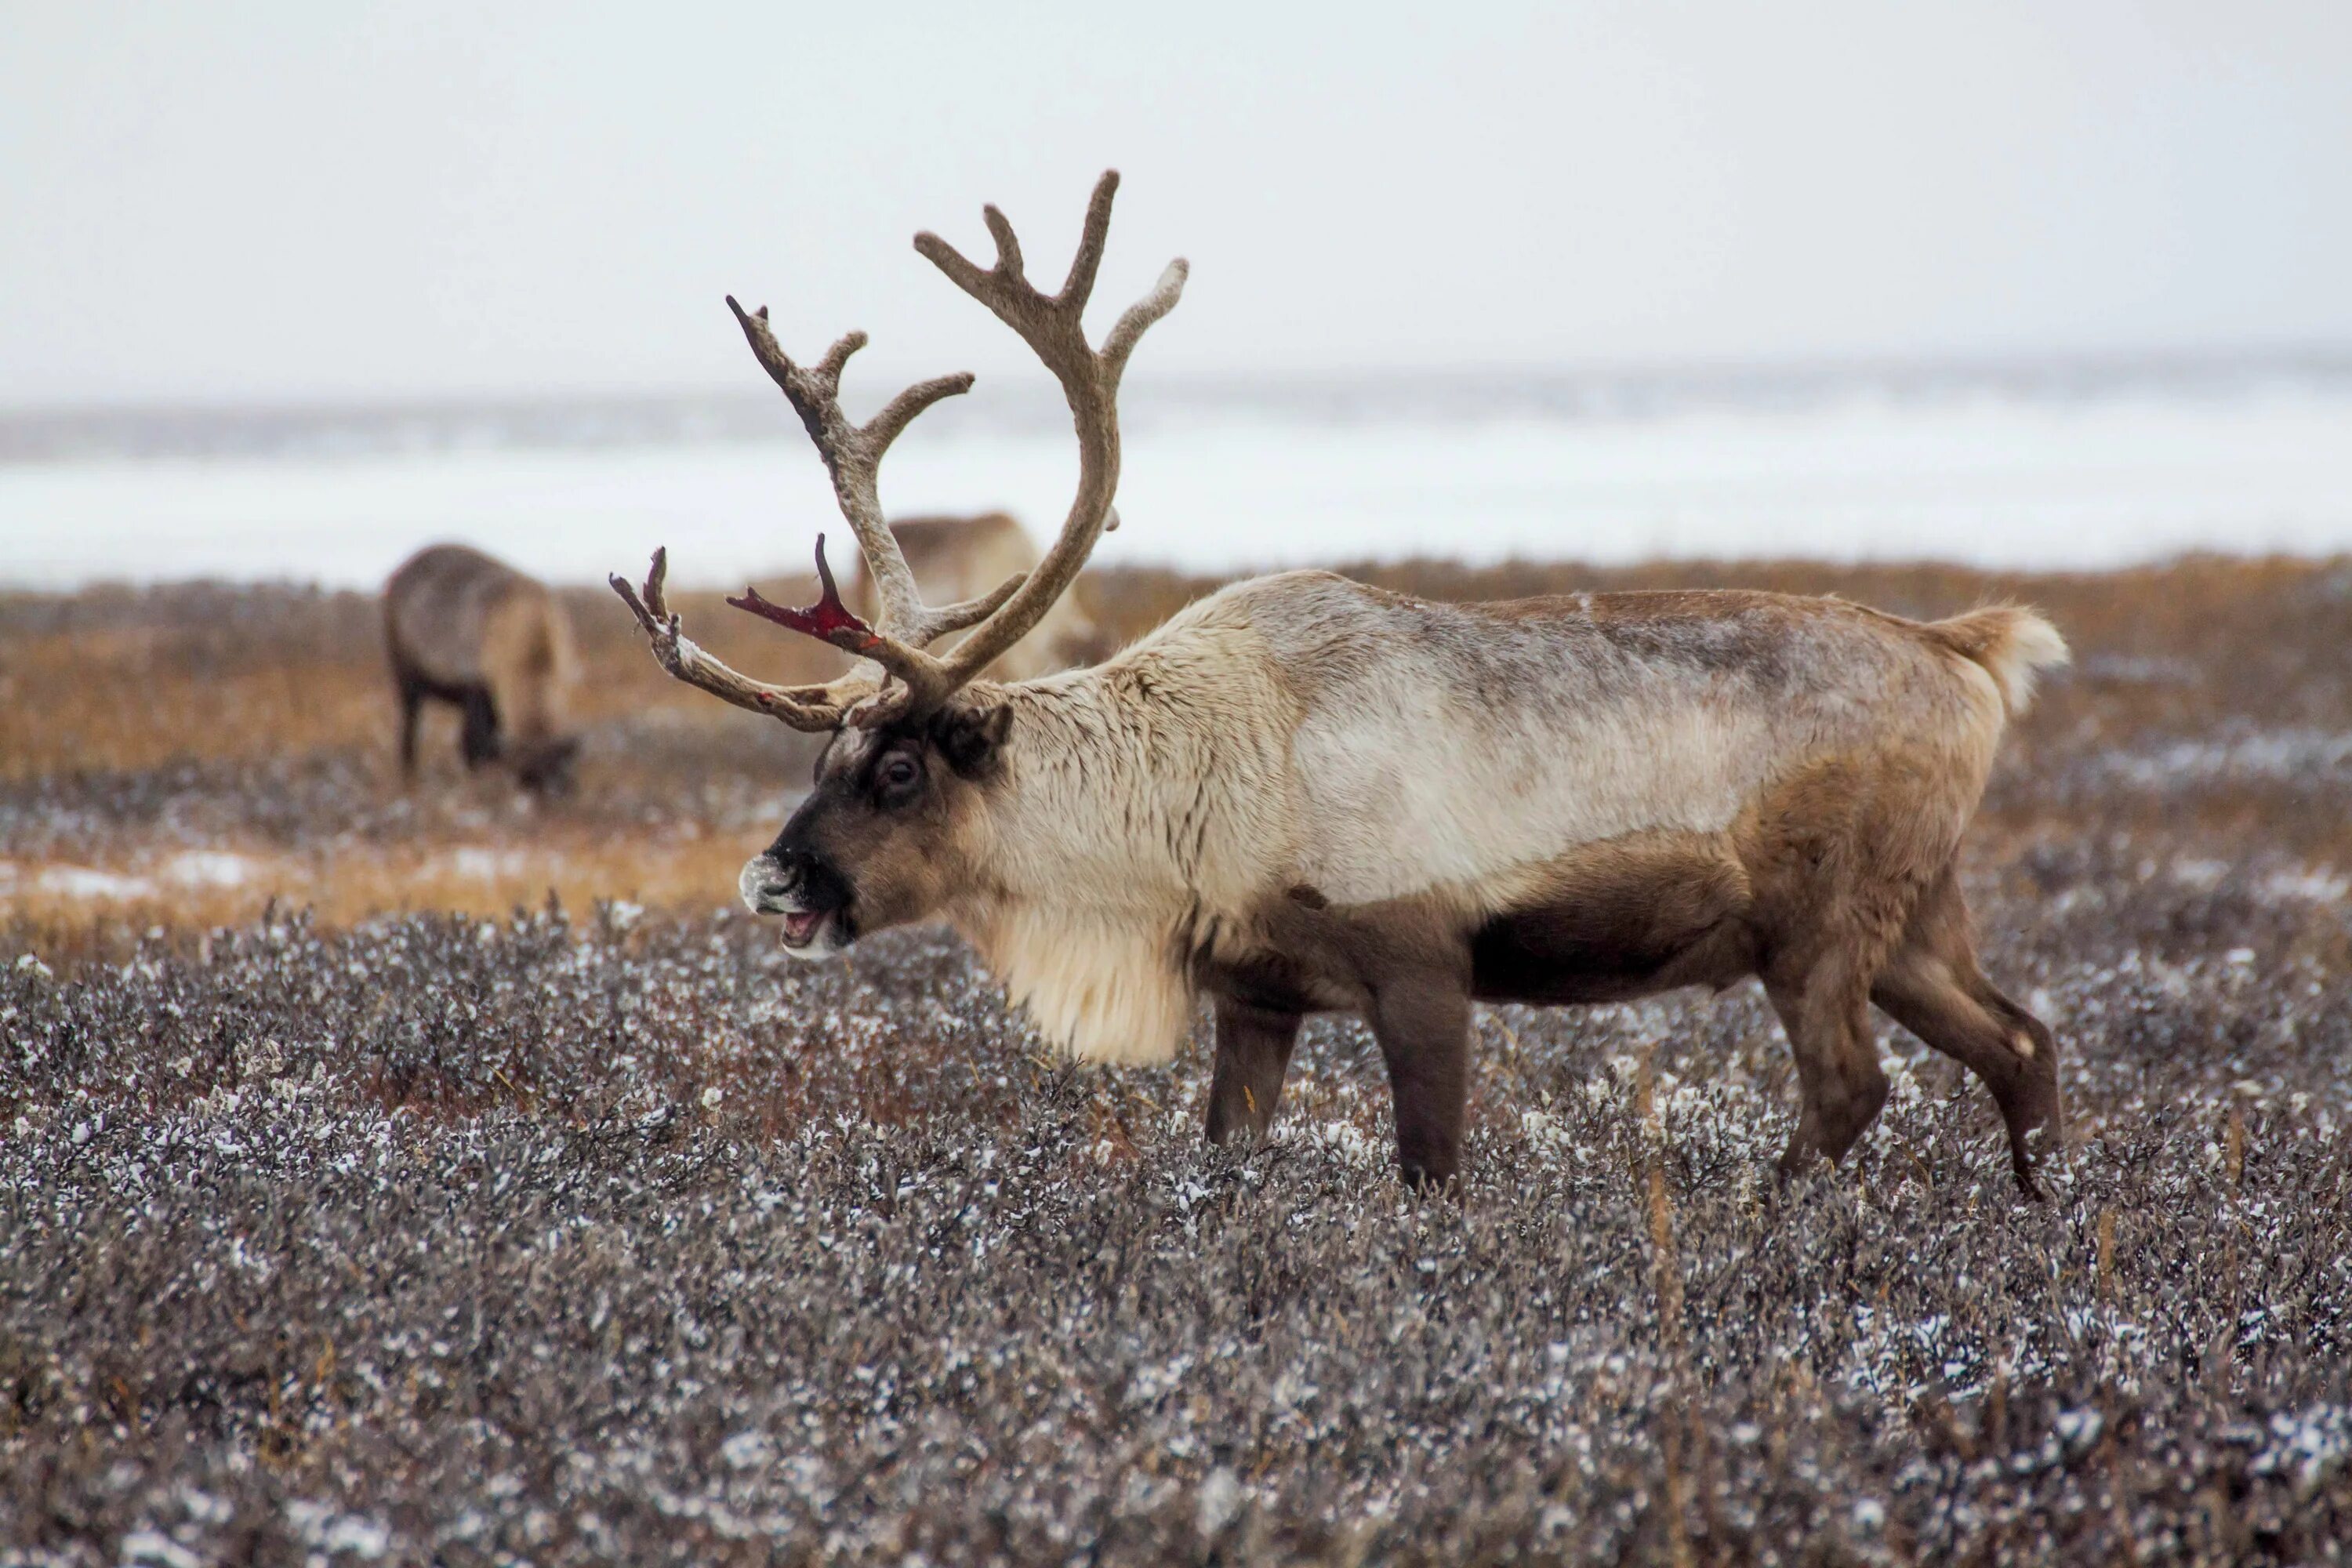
(1981, 480)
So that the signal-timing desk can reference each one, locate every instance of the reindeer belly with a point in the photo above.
(1625, 917)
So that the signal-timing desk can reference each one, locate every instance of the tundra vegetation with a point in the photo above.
(417, 1217)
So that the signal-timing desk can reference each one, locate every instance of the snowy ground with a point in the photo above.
(1970, 474)
(627, 1238)
(614, 1236)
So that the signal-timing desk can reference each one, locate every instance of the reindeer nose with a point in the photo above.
(768, 881)
(787, 873)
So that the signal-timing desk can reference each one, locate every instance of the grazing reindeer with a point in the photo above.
(1302, 793)
(464, 629)
(962, 557)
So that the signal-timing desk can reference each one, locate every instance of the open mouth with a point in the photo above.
(801, 926)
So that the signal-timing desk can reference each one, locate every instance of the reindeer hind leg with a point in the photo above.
(1824, 1008)
(1933, 987)
(1843, 857)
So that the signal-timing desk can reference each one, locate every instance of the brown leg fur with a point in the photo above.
(1824, 1008)
(412, 700)
(1254, 1046)
(1422, 1024)
(478, 741)
(1933, 987)
(1840, 856)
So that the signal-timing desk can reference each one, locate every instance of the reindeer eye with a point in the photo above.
(897, 773)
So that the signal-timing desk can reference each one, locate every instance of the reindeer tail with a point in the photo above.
(2013, 644)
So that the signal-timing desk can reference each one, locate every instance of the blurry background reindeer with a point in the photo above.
(470, 631)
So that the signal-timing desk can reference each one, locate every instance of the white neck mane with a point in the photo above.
(1143, 795)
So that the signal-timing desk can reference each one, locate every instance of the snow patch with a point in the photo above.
(2308, 884)
(208, 869)
(87, 882)
(487, 865)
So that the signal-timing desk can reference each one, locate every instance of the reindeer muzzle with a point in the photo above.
(811, 897)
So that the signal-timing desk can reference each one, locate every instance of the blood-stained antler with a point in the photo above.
(852, 454)
(828, 620)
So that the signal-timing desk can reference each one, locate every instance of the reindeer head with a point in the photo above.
(888, 834)
(884, 837)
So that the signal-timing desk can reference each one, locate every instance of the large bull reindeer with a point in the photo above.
(1305, 794)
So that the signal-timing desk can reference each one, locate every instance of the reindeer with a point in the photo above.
(1305, 794)
(959, 557)
(464, 629)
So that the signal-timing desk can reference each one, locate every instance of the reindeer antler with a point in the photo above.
(802, 707)
(1052, 327)
(828, 620)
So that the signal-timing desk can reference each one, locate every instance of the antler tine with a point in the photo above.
(811, 708)
(828, 620)
(901, 411)
(812, 391)
(1008, 244)
(1079, 287)
(969, 613)
(652, 610)
(1135, 320)
(1048, 325)
(836, 358)
(1005, 287)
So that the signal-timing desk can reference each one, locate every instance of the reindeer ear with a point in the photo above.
(969, 738)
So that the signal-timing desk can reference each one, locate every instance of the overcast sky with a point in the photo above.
(288, 199)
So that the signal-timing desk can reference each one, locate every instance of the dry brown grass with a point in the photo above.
(135, 725)
(123, 680)
(120, 679)
(340, 889)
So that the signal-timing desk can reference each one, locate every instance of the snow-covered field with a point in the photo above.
(1971, 473)
(628, 1239)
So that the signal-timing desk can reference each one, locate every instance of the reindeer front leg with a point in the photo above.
(1254, 1046)
(1422, 1021)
